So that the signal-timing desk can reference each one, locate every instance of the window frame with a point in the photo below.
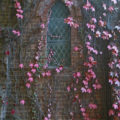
(67, 41)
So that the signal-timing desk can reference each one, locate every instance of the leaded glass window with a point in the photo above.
(58, 36)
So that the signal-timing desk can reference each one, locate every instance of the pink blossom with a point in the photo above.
(94, 20)
(31, 65)
(91, 58)
(75, 25)
(19, 16)
(49, 115)
(93, 27)
(57, 70)
(61, 68)
(22, 102)
(102, 23)
(95, 51)
(115, 50)
(92, 74)
(78, 74)
(89, 37)
(16, 32)
(21, 66)
(43, 74)
(87, 64)
(109, 47)
(89, 90)
(98, 34)
(90, 48)
(92, 8)
(33, 70)
(20, 11)
(118, 66)
(84, 114)
(109, 35)
(92, 106)
(115, 106)
(37, 57)
(104, 14)
(48, 108)
(87, 43)
(36, 65)
(118, 101)
(104, 6)
(76, 48)
(75, 89)
(28, 85)
(83, 90)
(111, 8)
(68, 88)
(110, 81)
(76, 96)
(106, 35)
(118, 114)
(42, 25)
(117, 83)
(114, 1)
(48, 73)
(69, 21)
(29, 74)
(111, 112)
(45, 66)
(69, 3)
(30, 79)
(88, 25)
(46, 118)
(111, 73)
(85, 82)
(87, 5)
(17, 5)
(97, 86)
(82, 109)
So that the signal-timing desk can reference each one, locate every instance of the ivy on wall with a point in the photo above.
(97, 26)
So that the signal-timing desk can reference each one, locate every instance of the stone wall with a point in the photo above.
(25, 51)
(60, 81)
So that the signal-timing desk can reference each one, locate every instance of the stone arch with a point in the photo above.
(75, 12)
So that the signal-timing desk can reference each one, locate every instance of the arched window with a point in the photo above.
(58, 36)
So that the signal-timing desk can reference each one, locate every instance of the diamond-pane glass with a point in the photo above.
(58, 36)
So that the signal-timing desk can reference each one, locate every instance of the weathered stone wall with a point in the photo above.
(59, 82)
(25, 52)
